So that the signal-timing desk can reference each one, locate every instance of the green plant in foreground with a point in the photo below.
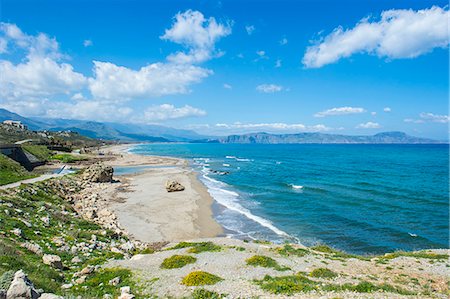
(323, 273)
(288, 250)
(197, 247)
(206, 294)
(177, 261)
(67, 158)
(266, 262)
(199, 278)
(6, 279)
(287, 285)
(11, 171)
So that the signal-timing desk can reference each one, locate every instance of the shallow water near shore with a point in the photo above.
(358, 198)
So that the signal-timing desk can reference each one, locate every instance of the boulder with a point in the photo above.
(33, 247)
(21, 287)
(50, 296)
(52, 260)
(125, 293)
(98, 173)
(172, 186)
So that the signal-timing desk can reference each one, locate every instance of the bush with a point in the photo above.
(323, 273)
(197, 247)
(6, 279)
(199, 278)
(177, 261)
(287, 250)
(287, 285)
(205, 294)
(266, 262)
(68, 158)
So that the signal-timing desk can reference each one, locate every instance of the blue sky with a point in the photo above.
(222, 67)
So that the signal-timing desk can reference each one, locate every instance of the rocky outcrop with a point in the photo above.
(52, 260)
(173, 186)
(21, 288)
(98, 173)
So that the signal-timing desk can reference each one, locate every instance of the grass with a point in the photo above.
(67, 158)
(266, 262)
(206, 294)
(39, 151)
(197, 247)
(177, 261)
(11, 171)
(419, 254)
(323, 273)
(199, 278)
(337, 254)
(288, 250)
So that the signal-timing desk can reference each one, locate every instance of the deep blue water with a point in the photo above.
(358, 198)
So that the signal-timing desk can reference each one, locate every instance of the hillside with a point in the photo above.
(380, 138)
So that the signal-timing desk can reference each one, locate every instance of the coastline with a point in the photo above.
(151, 214)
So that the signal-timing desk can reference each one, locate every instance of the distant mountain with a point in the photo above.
(106, 131)
(380, 138)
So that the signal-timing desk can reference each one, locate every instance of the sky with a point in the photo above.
(226, 67)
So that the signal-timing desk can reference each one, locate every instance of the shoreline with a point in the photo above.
(151, 214)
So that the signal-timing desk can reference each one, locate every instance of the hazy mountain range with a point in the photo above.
(155, 133)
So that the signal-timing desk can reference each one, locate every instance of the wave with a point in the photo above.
(226, 165)
(229, 199)
(296, 187)
(230, 157)
(238, 159)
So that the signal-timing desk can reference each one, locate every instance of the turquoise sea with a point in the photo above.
(358, 198)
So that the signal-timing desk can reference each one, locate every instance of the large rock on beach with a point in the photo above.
(21, 287)
(173, 186)
(98, 173)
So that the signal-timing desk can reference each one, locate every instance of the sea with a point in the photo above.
(360, 198)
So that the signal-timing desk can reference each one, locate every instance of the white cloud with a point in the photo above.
(250, 29)
(78, 97)
(167, 111)
(114, 82)
(387, 109)
(269, 88)
(368, 125)
(261, 53)
(340, 111)
(283, 41)
(227, 86)
(415, 121)
(429, 117)
(401, 33)
(87, 43)
(373, 113)
(197, 34)
(278, 63)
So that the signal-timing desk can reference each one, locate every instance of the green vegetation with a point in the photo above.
(323, 273)
(177, 261)
(419, 254)
(67, 158)
(198, 278)
(337, 254)
(97, 284)
(6, 279)
(39, 151)
(24, 208)
(205, 294)
(291, 284)
(11, 171)
(265, 242)
(197, 247)
(266, 262)
(288, 250)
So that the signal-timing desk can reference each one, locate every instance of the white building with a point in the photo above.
(15, 123)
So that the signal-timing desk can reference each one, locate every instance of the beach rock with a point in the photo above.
(52, 260)
(50, 296)
(21, 287)
(172, 186)
(98, 173)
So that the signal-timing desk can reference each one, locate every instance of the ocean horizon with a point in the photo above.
(364, 199)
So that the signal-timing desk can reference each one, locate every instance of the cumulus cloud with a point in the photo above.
(399, 33)
(114, 82)
(261, 54)
(340, 111)
(168, 111)
(198, 34)
(87, 43)
(269, 88)
(387, 109)
(368, 125)
(427, 117)
(250, 29)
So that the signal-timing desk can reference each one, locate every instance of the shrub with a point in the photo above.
(198, 278)
(205, 294)
(323, 273)
(177, 261)
(67, 158)
(197, 247)
(287, 250)
(266, 262)
(287, 285)
(6, 279)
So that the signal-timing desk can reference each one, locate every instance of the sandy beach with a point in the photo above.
(151, 214)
